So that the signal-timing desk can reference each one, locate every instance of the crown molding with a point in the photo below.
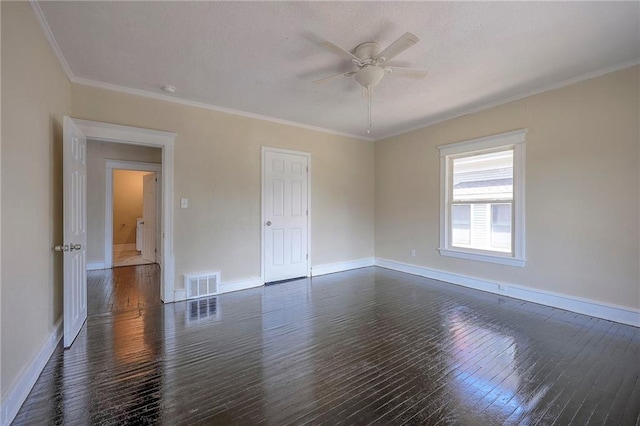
(153, 95)
(182, 101)
(160, 96)
(593, 74)
(35, 6)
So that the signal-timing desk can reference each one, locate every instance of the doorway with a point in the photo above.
(134, 217)
(133, 213)
(74, 245)
(113, 137)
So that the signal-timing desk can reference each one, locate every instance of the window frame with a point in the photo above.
(514, 140)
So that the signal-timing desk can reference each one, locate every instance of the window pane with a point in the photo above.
(481, 226)
(501, 226)
(483, 177)
(461, 224)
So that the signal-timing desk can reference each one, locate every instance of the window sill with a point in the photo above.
(482, 257)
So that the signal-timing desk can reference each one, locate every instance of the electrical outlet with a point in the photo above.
(413, 253)
(502, 287)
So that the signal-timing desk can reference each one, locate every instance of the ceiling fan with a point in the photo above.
(371, 63)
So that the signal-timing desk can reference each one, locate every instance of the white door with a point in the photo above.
(158, 218)
(75, 230)
(149, 208)
(285, 212)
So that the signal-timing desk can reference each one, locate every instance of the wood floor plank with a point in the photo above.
(117, 289)
(358, 347)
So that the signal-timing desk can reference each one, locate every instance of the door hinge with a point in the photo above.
(307, 256)
(156, 179)
(307, 169)
(307, 212)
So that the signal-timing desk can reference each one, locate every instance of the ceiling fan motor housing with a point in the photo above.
(368, 50)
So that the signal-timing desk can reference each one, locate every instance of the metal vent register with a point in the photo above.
(202, 284)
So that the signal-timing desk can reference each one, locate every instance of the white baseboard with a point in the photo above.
(123, 247)
(93, 266)
(240, 285)
(181, 294)
(330, 268)
(580, 305)
(20, 388)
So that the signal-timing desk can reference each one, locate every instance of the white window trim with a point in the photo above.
(516, 140)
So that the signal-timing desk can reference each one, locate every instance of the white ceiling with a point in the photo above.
(261, 57)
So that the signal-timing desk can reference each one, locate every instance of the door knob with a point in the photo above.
(63, 248)
(268, 223)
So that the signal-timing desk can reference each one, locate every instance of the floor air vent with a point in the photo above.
(200, 285)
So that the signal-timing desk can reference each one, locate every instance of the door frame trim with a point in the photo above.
(107, 132)
(110, 166)
(266, 149)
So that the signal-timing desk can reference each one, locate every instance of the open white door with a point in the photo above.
(149, 209)
(75, 230)
(159, 225)
(285, 212)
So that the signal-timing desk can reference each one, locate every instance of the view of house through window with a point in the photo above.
(482, 201)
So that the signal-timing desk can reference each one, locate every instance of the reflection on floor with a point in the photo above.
(358, 347)
(119, 289)
(128, 258)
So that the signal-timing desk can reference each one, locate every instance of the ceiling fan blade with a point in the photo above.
(338, 50)
(331, 77)
(400, 45)
(416, 73)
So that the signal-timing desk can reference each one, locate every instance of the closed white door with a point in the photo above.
(75, 230)
(285, 212)
(149, 208)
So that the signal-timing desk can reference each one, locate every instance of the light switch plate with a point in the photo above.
(184, 203)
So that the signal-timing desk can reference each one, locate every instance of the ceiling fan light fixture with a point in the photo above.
(369, 76)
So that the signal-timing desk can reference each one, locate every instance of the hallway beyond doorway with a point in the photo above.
(129, 258)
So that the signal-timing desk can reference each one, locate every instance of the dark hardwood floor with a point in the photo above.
(123, 288)
(358, 347)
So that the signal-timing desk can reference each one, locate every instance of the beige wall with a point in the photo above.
(35, 97)
(218, 167)
(97, 154)
(582, 205)
(127, 205)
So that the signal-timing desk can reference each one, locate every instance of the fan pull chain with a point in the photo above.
(370, 126)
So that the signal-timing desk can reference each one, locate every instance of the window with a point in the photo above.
(461, 224)
(482, 199)
(501, 226)
(482, 190)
